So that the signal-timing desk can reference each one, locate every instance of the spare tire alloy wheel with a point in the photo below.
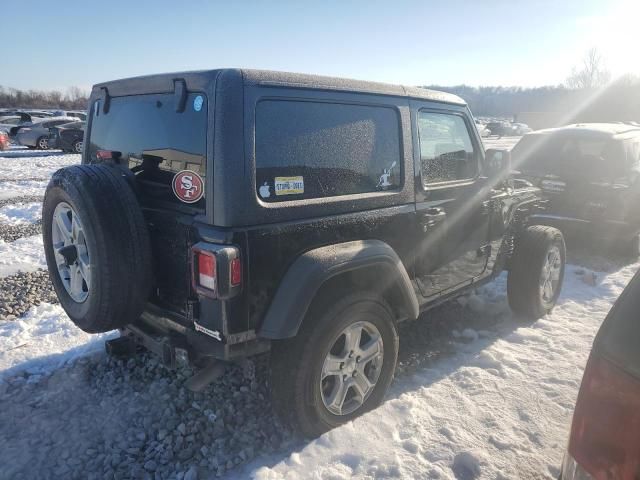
(71, 252)
(351, 368)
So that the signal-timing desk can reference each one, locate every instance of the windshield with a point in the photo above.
(154, 139)
(564, 154)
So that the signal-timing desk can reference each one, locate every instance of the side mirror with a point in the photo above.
(497, 165)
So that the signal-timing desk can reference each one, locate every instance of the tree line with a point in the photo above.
(615, 101)
(73, 98)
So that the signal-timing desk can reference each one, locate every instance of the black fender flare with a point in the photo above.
(311, 270)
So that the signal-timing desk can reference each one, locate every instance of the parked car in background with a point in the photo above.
(8, 122)
(67, 137)
(520, 129)
(483, 131)
(604, 442)
(500, 128)
(77, 113)
(4, 140)
(36, 135)
(590, 174)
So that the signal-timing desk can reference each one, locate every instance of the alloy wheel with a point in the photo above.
(71, 252)
(351, 368)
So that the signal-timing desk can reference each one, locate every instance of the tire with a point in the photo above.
(42, 143)
(112, 248)
(297, 363)
(525, 288)
(77, 146)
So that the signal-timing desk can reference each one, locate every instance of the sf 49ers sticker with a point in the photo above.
(188, 186)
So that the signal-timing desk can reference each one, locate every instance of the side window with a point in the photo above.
(446, 150)
(312, 149)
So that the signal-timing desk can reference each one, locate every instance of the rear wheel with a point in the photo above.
(77, 146)
(536, 272)
(42, 143)
(338, 367)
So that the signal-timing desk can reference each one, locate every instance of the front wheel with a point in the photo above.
(536, 271)
(338, 367)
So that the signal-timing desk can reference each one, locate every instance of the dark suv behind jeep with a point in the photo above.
(220, 214)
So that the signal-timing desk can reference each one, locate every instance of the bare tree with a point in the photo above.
(592, 73)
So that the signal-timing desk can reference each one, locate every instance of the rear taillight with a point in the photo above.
(207, 270)
(605, 434)
(216, 271)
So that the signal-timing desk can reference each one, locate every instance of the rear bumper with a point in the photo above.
(163, 331)
(572, 226)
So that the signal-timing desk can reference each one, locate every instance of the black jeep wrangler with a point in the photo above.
(221, 214)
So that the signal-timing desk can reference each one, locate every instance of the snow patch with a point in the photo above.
(21, 213)
(42, 340)
(22, 255)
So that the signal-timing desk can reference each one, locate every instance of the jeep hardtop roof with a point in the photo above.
(200, 79)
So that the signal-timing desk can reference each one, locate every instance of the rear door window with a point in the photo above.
(312, 149)
(446, 149)
(153, 139)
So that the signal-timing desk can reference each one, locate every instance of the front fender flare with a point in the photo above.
(311, 270)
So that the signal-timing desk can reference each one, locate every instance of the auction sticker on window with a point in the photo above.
(289, 185)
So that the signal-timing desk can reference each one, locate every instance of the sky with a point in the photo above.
(493, 42)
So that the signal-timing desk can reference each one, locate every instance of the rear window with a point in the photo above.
(565, 155)
(153, 139)
(311, 149)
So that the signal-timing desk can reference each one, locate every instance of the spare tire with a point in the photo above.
(97, 246)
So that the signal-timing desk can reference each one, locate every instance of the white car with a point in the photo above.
(521, 128)
(482, 129)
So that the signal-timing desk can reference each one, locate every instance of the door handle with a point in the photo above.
(434, 212)
(432, 216)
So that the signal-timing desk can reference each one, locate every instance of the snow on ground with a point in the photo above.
(23, 164)
(23, 255)
(500, 407)
(21, 213)
(13, 188)
(42, 340)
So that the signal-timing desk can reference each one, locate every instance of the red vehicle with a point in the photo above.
(4, 140)
(605, 434)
